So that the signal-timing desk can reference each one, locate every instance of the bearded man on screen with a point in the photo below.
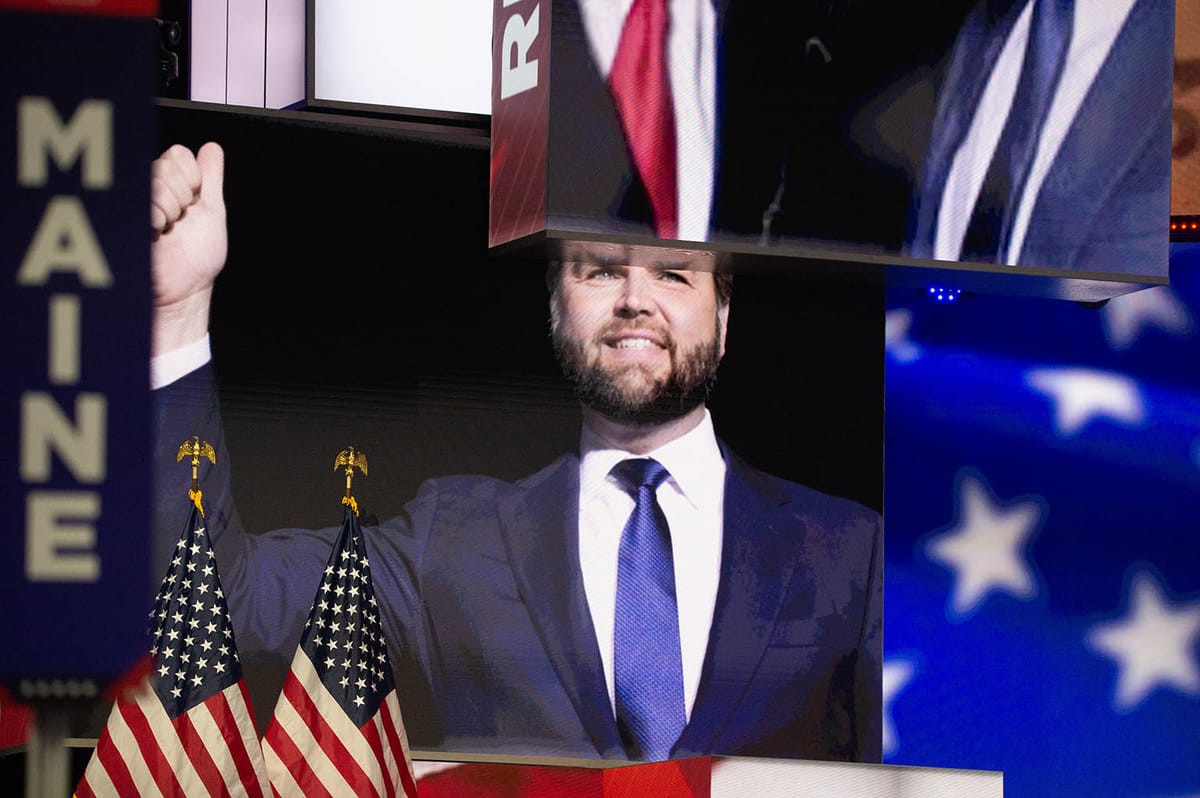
(650, 596)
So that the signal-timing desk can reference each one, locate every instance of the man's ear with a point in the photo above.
(723, 322)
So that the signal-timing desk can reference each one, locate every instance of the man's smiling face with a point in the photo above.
(640, 342)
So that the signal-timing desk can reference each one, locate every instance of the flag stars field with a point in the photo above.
(192, 620)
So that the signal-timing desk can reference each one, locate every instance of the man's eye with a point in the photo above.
(674, 277)
(601, 273)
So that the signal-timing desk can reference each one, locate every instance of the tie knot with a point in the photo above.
(644, 472)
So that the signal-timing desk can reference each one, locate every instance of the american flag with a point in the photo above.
(1043, 571)
(337, 728)
(188, 728)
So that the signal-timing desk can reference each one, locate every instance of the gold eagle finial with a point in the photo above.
(350, 459)
(195, 448)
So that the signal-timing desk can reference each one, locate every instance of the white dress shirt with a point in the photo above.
(692, 64)
(693, 501)
(1096, 24)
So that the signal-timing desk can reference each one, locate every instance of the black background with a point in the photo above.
(359, 305)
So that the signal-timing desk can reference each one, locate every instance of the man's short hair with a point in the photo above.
(722, 282)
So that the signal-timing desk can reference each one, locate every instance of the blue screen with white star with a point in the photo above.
(1042, 494)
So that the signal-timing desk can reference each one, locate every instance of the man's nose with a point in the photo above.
(636, 298)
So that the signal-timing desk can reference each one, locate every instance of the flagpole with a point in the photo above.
(47, 763)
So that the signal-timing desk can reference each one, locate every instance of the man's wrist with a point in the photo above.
(180, 323)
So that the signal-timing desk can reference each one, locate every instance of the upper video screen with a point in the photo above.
(1010, 135)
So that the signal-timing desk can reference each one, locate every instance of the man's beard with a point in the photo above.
(652, 400)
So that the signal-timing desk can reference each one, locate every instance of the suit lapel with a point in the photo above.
(1114, 126)
(973, 57)
(540, 523)
(756, 571)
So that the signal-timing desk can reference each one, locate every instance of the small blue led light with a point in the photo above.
(944, 294)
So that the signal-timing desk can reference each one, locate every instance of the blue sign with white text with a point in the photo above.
(77, 133)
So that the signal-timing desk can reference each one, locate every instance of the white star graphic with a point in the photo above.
(895, 336)
(1127, 316)
(897, 673)
(986, 547)
(1153, 645)
(1082, 394)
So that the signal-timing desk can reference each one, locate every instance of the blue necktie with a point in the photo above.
(990, 228)
(647, 665)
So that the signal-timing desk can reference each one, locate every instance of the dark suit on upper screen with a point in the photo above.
(764, 70)
(1104, 201)
(484, 608)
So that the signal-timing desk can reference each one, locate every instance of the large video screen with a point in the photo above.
(494, 399)
(1023, 138)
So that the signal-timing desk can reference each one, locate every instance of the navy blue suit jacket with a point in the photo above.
(1105, 201)
(484, 608)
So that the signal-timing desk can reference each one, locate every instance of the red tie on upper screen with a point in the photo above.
(641, 88)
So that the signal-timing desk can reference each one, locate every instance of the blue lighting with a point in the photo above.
(944, 294)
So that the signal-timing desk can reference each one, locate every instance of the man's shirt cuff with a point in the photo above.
(178, 363)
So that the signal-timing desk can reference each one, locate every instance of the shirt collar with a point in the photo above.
(693, 459)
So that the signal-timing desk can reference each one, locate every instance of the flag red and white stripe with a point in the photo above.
(313, 747)
(212, 749)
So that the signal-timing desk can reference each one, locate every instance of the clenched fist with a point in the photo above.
(187, 214)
